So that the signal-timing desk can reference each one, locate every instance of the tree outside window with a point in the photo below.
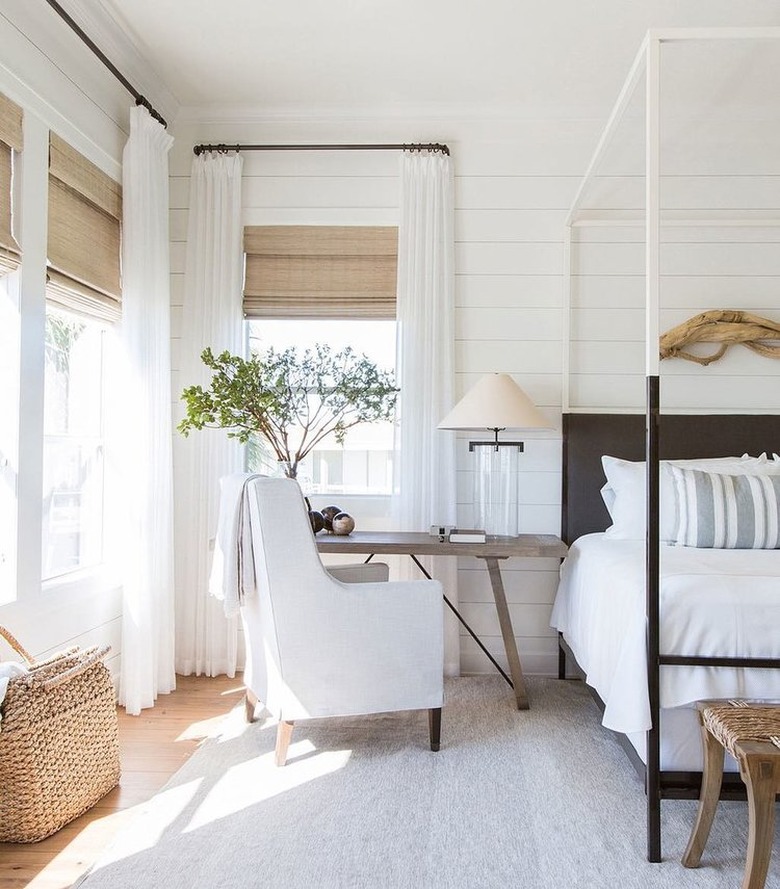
(363, 464)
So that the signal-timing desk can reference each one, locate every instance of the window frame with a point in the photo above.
(97, 590)
(323, 272)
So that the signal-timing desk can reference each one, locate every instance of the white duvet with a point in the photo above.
(713, 602)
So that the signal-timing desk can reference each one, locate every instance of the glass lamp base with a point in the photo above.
(495, 490)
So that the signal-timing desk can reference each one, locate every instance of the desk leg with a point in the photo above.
(468, 629)
(505, 621)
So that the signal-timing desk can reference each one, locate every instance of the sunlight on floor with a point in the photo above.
(101, 831)
(238, 690)
(249, 783)
(204, 800)
(204, 728)
(169, 805)
(215, 725)
(234, 724)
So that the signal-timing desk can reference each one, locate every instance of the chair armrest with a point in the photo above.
(360, 572)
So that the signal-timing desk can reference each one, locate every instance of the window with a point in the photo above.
(78, 231)
(320, 271)
(11, 144)
(334, 285)
(73, 444)
(83, 248)
(83, 295)
(364, 464)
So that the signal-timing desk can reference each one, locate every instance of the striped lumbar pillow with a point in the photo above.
(727, 511)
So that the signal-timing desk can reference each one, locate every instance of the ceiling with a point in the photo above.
(435, 57)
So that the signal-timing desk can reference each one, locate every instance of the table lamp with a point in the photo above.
(496, 403)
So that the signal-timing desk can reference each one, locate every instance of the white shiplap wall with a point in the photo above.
(702, 268)
(514, 183)
(724, 170)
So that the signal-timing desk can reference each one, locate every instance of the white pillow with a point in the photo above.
(727, 511)
(608, 496)
(626, 478)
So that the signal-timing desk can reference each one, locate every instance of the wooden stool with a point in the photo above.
(751, 734)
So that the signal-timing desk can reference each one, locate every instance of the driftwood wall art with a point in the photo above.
(725, 326)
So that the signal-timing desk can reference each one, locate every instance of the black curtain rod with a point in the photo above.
(86, 39)
(411, 146)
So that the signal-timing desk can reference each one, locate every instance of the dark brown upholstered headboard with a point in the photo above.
(682, 436)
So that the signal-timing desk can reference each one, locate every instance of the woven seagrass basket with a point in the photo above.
(59, 742)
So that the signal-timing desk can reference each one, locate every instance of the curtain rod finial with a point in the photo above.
(143, 101)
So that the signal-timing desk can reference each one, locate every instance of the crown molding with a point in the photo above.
(238, 115)
(433, 113)
(115, 38)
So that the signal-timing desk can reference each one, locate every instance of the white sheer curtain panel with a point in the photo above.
(207, 641)
(144, 457)
(426, 363)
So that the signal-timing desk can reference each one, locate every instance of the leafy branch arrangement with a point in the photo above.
(293, 401)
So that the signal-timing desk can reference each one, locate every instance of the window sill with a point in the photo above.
(87, 581)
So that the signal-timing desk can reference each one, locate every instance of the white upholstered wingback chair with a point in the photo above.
(317, 646)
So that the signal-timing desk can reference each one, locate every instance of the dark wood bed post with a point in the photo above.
(564, 523)
(652, 557)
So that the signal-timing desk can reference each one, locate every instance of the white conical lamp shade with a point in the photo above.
(495, 402)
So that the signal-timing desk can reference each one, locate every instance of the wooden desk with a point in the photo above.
(414, 543)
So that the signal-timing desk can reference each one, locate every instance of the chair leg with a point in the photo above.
(250, 702)
(434, 727)
(759, 774)
(283, 735)
(711, 779)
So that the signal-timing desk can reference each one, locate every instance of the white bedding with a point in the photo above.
(713, 602)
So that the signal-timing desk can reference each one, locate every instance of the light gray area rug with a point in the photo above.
(536, 799)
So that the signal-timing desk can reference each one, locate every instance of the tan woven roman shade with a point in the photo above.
(85, 211)
(10, 141)
(318, 271)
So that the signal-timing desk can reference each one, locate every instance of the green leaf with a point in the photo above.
(270, 394)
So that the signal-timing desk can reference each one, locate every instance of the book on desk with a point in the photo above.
(465, 535)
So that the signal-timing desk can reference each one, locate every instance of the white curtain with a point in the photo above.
(206, 641)
(143, 444)
(426, 492)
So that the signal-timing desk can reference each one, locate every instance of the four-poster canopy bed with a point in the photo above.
(672, 677)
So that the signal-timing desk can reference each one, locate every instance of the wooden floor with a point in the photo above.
(153, 746)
